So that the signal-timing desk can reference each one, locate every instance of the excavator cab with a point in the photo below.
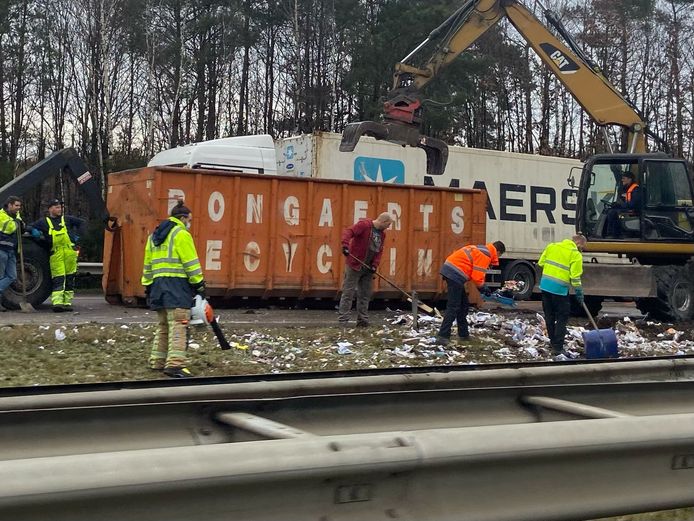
(636, 204)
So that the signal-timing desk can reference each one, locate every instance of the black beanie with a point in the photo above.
(180, 210)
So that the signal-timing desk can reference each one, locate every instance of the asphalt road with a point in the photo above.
(93, 308)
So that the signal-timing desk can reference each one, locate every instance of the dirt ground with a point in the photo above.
(44, 352)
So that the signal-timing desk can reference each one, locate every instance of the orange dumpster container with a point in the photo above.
(278, 236)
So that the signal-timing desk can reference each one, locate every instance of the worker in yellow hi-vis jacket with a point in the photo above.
(171, 275)
(562, 267)
(10, 231)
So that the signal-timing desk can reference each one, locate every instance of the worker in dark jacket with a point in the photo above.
(10, 232)
(61, 234)
(469, 263)
(171, 275)
(362, 244)
(629, 203)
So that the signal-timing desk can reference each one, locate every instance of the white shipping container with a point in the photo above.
(530, 202)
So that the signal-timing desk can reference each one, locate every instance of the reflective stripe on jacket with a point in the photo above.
(8, 230)
(60, 238)
(174, 257)
(470, 263)
(562, 267)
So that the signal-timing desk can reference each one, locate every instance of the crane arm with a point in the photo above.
(589, 87)
(68, 160)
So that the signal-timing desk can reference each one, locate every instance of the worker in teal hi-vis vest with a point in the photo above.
(61, 233)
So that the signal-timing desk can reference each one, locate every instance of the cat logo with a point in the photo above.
(565, 64)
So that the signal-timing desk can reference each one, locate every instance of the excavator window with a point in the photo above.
(604, 191)
(668, 212)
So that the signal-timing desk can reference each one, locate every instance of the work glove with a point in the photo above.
(36, 234)
(484, 290)
(579, 295)
(345, 251)
(199, 288)
(148, 290)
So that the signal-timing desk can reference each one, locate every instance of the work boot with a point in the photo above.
(178, 372)
(67, 308)
(362, 323)
(442, 340)
(464, 339)
(58, 308)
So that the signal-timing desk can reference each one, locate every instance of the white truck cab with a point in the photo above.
(244, 154)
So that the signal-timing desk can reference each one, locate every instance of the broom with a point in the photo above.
(24, 306)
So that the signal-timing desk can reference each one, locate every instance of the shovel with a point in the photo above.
(24, 306)
(600, 343)
(420, 305)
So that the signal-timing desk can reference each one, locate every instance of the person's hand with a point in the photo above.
(148, 290)
(36, 234)
(199, 288)
(579, 295)
(345, 251)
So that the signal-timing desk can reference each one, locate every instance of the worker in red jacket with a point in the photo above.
(469, 263)
(362, 244)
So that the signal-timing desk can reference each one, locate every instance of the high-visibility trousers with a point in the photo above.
(171, 339)
(63, 269)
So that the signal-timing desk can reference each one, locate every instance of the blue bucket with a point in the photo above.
(601, 343)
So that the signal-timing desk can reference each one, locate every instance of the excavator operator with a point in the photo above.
(629, 203)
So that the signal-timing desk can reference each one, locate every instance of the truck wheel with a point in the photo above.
(594, 305)
(674, 300)
(37, 272)
(524, 272)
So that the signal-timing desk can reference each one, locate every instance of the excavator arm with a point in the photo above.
(584, 80)
(67, 160)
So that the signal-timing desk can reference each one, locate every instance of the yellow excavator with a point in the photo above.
(657, 231)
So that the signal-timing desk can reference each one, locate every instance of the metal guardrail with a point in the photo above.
(442, 447)
(90, 268)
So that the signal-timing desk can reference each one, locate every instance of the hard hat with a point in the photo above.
(54, 202)
(201, 312)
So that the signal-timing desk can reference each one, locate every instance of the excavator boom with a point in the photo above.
(403, 111)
